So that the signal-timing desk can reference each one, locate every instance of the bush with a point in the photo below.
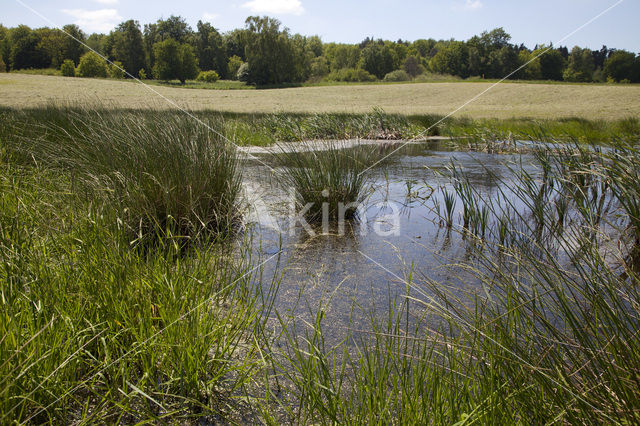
(68, 68)
(142, 74)
(235, 62)
(208, 76)
(397, 75)
(351, 75)
(243, 72)
(92, 65)
(116, 70)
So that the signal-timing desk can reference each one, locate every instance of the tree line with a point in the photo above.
(266, 53)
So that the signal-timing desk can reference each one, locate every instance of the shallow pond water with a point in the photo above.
(362, 270)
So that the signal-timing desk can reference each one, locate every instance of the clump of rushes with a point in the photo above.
(93, 331)
(328, 176)
(165, 174)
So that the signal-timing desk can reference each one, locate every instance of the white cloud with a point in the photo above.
(473, 5)
(209, 17)
(102, 20)
(108, 2)
(276, 7)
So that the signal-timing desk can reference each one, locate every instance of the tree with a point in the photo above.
(269, 52)
(174, 61)
(92, 65)
(68, 68)
(342, 56)
(377, 59)
(552, 63)
(116, 70)
(127, 46)
(451, 59)
(620, 66)
(3, 67)
(53, 43)
(211, 49)
(174, 27)
(234, 64)
(72, 45)
(412, 66)
(26, 51)
(580, 66)
(532, 70)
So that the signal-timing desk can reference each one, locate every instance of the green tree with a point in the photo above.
(342, 56)
(92, 65)
(116, 70)
(269, 52)
(620, 66)
(412, 66)
(552, 63)
(127, 46)
(580, 66)
(211, 49)
(26, 50)
(68, 68)
(72, 45)
(451, 59)
(3, 67)
(377, 59)
(52, 41)
(234, 64)
(174, 61)
(531, 71)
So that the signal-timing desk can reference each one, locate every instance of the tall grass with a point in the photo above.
(328, 181)
(165, 174)
(94, 331)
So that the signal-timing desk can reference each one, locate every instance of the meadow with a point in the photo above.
(506, 101)
(132, 290)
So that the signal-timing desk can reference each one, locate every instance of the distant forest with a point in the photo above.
(265, 53)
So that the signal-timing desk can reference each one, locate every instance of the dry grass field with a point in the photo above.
(508, 100)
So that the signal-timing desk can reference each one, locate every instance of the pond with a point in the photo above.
(361, 270)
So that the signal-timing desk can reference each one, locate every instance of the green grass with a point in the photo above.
(97, 331)
(94, 329)
(330, 182)
(162, 174)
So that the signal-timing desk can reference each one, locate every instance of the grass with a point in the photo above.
(93, 329)
(161, 174)
(330, 182)
(506, 102)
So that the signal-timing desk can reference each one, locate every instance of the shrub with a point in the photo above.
(142, 74)
(351, 75)
(68, 68)
(243, 72)
(116, 70)
(397, 75)
(235, 62)
(208, 76)
(92, 65)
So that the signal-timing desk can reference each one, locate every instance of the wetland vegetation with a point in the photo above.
(136, 287)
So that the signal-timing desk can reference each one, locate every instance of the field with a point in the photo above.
(510, 100)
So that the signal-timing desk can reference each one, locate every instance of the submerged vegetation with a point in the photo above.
(94, 329)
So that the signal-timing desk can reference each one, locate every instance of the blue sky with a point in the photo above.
(529, 22)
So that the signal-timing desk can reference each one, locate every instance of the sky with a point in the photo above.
(350, 21)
